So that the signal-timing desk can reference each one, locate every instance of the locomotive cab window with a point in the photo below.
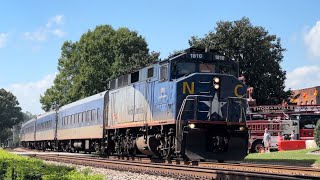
(163, 73)
(227, 69)
(180, 69)
(207, 68)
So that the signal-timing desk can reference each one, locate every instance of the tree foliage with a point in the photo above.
(10, 112)
(26, 116)
(317, 134)
(259, 55)
(86, 65)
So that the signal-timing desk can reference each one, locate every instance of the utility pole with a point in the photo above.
(14, 128)
(56, 108)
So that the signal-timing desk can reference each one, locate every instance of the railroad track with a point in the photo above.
(189, 170)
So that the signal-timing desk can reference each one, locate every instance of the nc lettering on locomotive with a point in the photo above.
(185, 87)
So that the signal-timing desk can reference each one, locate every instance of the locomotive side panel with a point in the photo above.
(148, 102)
(164, 102)
(121, 106)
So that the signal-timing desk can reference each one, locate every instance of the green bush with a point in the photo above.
(3, 169)
(74, 175)
(317, 134)
(23, 168)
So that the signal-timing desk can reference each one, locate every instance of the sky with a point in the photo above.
(32, 33)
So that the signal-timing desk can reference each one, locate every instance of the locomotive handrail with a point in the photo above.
(241, 105)
(179, 116)
(187, 99)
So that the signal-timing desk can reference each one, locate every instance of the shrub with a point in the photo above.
(18, 167)
(3, 169)
(317, 134)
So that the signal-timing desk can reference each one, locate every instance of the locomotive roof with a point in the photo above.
(209, 54)
(85, 100)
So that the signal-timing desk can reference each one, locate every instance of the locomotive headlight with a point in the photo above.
(216, 86)
(241, 128)
(191, 126)
(216, 80)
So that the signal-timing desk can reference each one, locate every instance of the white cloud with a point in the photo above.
(312, 40)
(58, 20)
(38, 35)
(303, 77)
(43, 33)
(58, 32)
(28, 94)
(3, 39)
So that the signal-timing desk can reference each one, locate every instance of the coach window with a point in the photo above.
(83, 116)
(94, 114)
(72, 119)
(76, 117)
(311, 102)
(306, 102)
(88, 115)
(98, 114)
(301, 103)
(163, 73)
(150, 72)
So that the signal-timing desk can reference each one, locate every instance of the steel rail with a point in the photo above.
(179, 171)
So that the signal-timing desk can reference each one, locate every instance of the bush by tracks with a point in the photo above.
(24, 168)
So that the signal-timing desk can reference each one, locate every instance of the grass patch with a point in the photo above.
(296, 157)
(24, 168)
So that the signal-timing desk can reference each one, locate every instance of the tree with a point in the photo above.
(10, 112)
(86, 65)
(259, 55)
(5, 133)
(317, 134)
(26, 116)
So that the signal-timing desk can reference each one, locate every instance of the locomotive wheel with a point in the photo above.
(257, 146)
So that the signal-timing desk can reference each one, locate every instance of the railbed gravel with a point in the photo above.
(112, 174)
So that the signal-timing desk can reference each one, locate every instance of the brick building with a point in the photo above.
(307, 96)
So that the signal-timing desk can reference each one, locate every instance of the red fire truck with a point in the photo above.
(281, 119)
(257, 128)
(307, 123)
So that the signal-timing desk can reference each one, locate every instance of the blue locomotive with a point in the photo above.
(189, 106)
